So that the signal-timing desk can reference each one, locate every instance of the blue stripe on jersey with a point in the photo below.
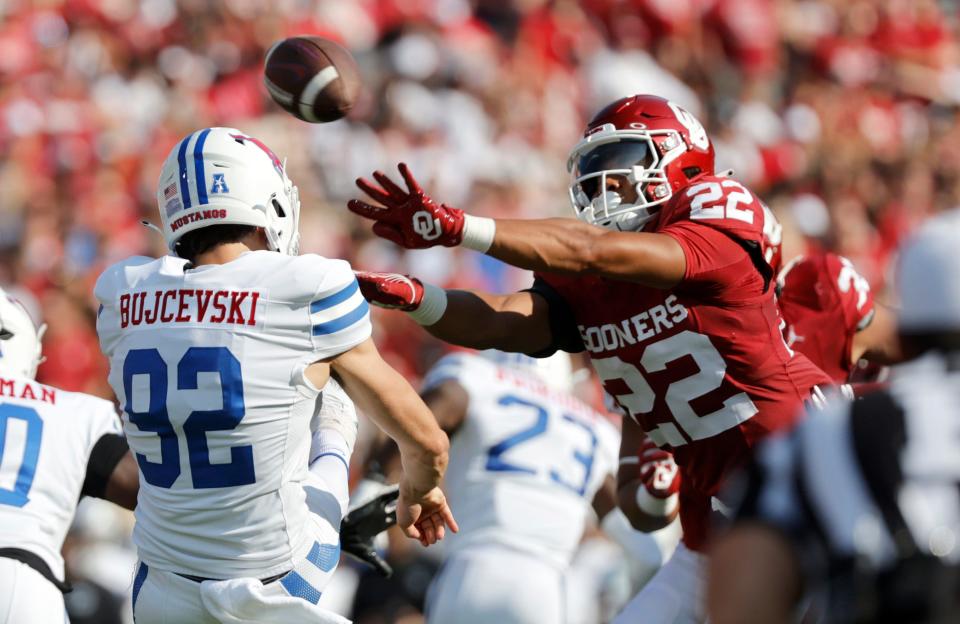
(182, 164)
(201, 180)
(299, 587)
(337, 455)
(138, 584)
(338, 297)
(324, 556)
(342, 322)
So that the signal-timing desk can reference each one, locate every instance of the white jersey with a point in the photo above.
(525, 463)
(208, 366)
(46, 436)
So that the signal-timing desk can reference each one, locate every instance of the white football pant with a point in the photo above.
(494, 584)
(161, 597)
(25, 596)
(675, 594)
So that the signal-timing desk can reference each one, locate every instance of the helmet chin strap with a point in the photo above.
(151, 226)
(273, 239)
(632, 221)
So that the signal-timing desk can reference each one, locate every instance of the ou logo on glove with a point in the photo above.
(426, 225)
(663, 475)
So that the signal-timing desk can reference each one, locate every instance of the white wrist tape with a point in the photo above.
(432, 306)
(653, 506)
(478, 233)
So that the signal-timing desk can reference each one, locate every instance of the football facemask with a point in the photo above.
(633, 156)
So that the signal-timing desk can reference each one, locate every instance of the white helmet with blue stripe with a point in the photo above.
(20, 346)
(222, 176)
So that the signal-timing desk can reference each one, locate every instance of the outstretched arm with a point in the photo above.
(413, 220)
(575, 247)
(517, 322)
(397, 409)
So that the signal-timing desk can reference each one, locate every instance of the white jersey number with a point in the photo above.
(705, 204)
(641, 397)
(849, 278)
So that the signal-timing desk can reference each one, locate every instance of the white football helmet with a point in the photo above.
(19, 339)
(222, 176)
(556, 371)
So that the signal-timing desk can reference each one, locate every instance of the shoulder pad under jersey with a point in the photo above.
(721, 203)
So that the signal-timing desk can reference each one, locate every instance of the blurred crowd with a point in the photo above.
(843, 115)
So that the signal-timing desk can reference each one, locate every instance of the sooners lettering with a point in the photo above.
(27, 390)
(199, 215)
(637, 328)
(187, 305)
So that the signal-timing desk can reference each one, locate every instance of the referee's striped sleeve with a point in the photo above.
(339, 315)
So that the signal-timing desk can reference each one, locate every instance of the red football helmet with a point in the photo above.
(653, 143)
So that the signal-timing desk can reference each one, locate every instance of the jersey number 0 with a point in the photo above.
(18, 470)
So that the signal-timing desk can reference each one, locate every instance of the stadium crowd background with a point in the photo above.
(841, 114)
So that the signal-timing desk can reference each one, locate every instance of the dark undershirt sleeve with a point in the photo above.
(106, 454)
(563, 325)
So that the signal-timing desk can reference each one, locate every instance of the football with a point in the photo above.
(312, 78)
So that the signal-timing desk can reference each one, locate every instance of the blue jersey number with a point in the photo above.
(239, 471)
(18, 496)
(584, 458)
(496, 463)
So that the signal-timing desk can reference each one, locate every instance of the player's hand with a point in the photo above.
(659, 473)
(391, 290)
(426, 517)
(409, 218)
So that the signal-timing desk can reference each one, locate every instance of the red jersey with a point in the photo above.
(703, 368)
(824, 302)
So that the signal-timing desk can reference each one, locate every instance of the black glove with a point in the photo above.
(362, 524)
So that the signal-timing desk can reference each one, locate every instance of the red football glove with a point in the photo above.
(408, 218)
(391, 290)
(659, 473)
